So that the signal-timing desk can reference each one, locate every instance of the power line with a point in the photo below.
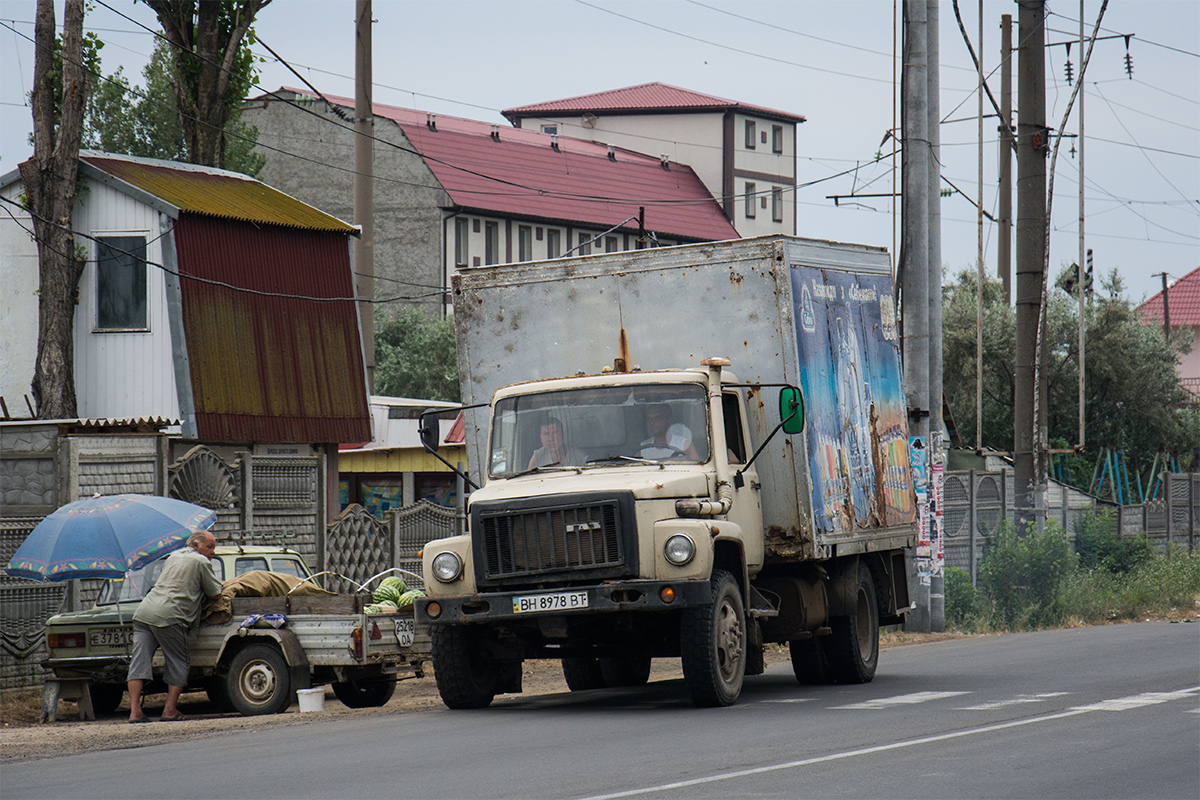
(731, 48)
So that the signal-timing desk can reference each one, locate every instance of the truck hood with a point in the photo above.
(97, 615)
(644, 483)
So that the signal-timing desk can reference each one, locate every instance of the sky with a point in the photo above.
(831, 62)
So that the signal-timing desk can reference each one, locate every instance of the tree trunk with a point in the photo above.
(49, 178)
(206, 36)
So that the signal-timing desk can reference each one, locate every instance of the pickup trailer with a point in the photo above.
(685, 452)
(251, 670)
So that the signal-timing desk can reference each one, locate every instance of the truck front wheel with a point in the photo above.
(466, 677)
(258, 681)
(713, 645)
(852, 650)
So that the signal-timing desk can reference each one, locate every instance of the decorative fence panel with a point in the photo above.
(359, 546)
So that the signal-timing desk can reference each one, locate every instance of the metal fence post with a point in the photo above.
(972, 524)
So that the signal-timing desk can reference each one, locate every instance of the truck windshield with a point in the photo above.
(599, 426)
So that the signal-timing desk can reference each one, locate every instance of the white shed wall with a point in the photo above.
(18, 305)
(127, 373)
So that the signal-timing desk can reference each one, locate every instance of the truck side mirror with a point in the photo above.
(791, 409)
(429, 431)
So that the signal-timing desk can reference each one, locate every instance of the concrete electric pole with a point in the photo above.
(1033, 145)
(364, 186)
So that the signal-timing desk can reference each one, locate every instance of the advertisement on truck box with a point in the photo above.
(849, 353)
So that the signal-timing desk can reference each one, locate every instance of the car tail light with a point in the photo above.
(356, 643)
(60, 640)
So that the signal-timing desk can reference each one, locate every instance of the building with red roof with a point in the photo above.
(745, 154)
(453, 192)
(1180, 305)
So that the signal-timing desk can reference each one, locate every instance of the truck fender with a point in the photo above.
(729, 554)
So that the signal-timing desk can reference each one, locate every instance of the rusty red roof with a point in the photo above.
(493, 168)
(646, 98)
(1183, 302)
(272, 356)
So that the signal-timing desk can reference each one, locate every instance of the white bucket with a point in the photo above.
(311, 699)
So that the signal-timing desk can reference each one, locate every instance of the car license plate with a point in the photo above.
(405, 628)
(111, 637)
(561, 601)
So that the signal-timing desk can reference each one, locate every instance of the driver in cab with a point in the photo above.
(667, 438)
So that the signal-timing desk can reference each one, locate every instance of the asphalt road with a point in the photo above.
(1104, 712)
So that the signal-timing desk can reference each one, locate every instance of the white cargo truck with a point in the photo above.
(686, 452)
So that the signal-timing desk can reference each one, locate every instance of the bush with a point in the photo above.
(1023, 577)
(963, 603)
(1099, 546)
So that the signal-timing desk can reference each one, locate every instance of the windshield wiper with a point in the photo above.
(545, 468)
(634, 459)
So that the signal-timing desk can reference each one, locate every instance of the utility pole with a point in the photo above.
(1029, 413)
(364, 186)
(1082, 252)
(1166, 310)
(937, 597)
(914, 275)
(1004, 234)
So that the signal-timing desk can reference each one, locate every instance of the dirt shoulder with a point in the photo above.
(22, 738)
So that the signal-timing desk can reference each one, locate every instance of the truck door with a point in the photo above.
(747, 499)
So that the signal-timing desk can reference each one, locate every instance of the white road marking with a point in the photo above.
(1014, 701)
(791, 700)
(1137, 701)
(883, 748)
(900, 700)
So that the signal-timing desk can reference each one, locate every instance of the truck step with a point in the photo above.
(760, 606)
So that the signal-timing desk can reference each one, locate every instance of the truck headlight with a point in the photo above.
(447, 567)
(679, 549)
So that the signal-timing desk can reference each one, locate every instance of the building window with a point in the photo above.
(750, 204)
(553, 243)
(524, 243)
(475, 225)
(777, 204)
(585, 244)
(491, 243)
(610, 244)
(776, 138)
(550, 129)
(121, 302)
(462, 239)
(751, 135)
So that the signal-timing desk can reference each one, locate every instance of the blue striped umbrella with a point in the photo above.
(105, 537)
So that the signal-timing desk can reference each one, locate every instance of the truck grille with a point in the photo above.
(579, 539)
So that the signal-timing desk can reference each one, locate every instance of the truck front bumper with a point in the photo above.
(605, 598)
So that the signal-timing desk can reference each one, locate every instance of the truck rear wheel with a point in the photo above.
(713, 645)
(365, 693)
(466, 676)
(258, 681)
(627, 671)
(582, 674)
(852, 649)
(808, 661)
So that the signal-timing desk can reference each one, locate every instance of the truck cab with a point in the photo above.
(610, 502)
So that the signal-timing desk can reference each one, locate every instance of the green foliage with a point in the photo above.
(145, 122)
(1132, 402)
(1023, 577)
(1099, 546)
(415, 357)
(963, 601)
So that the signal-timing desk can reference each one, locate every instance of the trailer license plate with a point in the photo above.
(405, 628)
(111, 637)
(562, 601)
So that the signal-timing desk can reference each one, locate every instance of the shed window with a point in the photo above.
(121, 302)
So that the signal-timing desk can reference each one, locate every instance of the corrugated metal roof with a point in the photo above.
(642, 99)
(516, 172)
(265, 366)
(215, 193)
(1183, 302)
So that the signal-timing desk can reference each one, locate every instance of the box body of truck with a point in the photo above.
(808, 515)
